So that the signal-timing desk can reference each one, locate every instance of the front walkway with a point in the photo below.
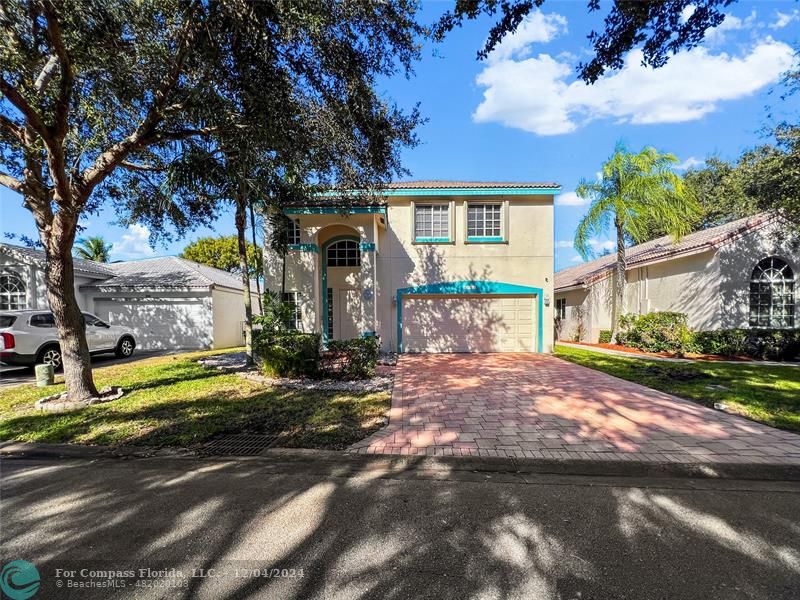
(539, 406)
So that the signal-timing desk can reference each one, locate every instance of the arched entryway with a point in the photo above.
(341, 283)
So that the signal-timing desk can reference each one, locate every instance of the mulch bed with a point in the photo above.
(690, 355)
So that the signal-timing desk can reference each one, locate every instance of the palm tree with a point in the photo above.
(93, 248)
(636, 192)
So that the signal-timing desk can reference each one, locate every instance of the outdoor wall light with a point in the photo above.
(546, 300)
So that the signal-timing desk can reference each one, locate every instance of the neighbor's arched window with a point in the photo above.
(344, 253)
(772, 300)
(12, 292)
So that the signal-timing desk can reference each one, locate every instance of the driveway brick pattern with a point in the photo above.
(539, 406)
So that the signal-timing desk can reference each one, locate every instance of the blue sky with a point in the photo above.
(521, 115)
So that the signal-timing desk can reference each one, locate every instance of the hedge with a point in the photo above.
(351, 359)
(656, 332)
(290, 354)
(765, 344)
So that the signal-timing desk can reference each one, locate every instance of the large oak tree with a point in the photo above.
(99, 99)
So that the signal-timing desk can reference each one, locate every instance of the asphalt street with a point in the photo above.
(269, 528)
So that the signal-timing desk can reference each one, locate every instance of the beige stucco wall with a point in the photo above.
(227, 308)
(526, 258)
(711, 287)
(36, 291)
(736, 264)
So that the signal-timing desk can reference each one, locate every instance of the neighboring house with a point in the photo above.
(738, 275)
(169, 302)
(435, 266)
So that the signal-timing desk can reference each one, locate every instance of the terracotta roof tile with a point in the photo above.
(660, 248)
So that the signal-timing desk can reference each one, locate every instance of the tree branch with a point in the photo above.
(46, 73)
(136, 167)
(33, 119)
(12, 128)
(12, 183)
(142, 136)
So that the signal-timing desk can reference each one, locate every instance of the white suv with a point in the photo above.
(30, 337)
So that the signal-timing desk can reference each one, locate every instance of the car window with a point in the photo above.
(7, 321)
(90, 319)
(43, 320)
(100, 323)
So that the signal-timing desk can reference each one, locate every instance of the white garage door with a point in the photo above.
(167, 324)
(469, 324)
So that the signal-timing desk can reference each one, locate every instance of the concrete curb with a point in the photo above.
(346, 463)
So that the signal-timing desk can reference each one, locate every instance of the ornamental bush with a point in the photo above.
(656, 332)
(605, 336)
(351, 359)
(764, 344)
(290, 354)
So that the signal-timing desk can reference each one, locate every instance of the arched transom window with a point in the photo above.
(344, 253)
(772, 301)
(12, 292)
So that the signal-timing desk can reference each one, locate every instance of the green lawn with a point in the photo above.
(174, 401)
(769, 394)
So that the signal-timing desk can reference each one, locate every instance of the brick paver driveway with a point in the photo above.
(539, 406)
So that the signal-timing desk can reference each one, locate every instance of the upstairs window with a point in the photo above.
(293, 232)
(484, 222)
(432, 223)
(13, 294)
(772, 302)
(344, 253)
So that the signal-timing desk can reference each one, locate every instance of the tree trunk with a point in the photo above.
(60, 282)
(258, 253)
(283, 275)
(619, 277)
(241, 233)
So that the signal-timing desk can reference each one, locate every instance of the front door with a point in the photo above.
(349, 314)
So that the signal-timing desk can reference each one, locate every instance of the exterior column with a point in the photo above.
(368, 289)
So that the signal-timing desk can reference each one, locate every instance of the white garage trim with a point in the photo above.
(471, 288)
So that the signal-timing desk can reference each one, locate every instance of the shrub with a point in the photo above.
(764, 344)
(656, 332)
(290, 354)
(351, 359)
(605, 336)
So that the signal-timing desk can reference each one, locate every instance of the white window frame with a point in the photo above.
(473, 238)
(561, 308)
(13, 291)
(773, 303)
(447, 208)
(293, 300)
(345, 254)
(293, 232)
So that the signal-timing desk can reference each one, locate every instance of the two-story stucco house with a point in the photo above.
(435, 266)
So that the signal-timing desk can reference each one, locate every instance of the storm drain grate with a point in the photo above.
(241, 444)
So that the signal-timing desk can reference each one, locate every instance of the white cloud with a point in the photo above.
(539, 94)
(576, 259)
(690, 163)
(564, 244)
(570, 199)
(784, 19)
(134, 244)
(601, 245)
(717, 35)
(535, 27)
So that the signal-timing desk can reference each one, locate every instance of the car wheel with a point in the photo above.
(125, 347)
(51, 356)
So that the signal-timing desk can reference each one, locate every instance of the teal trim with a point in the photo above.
(324, 278)
(324, 210)
(304, 247)
(488, 288)
(431, 240)
(492, 239)
(369, 334)
(472, 192)
(368, 246)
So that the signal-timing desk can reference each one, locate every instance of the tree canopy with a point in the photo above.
(108, 101)
(661, 28)
(222, 253)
